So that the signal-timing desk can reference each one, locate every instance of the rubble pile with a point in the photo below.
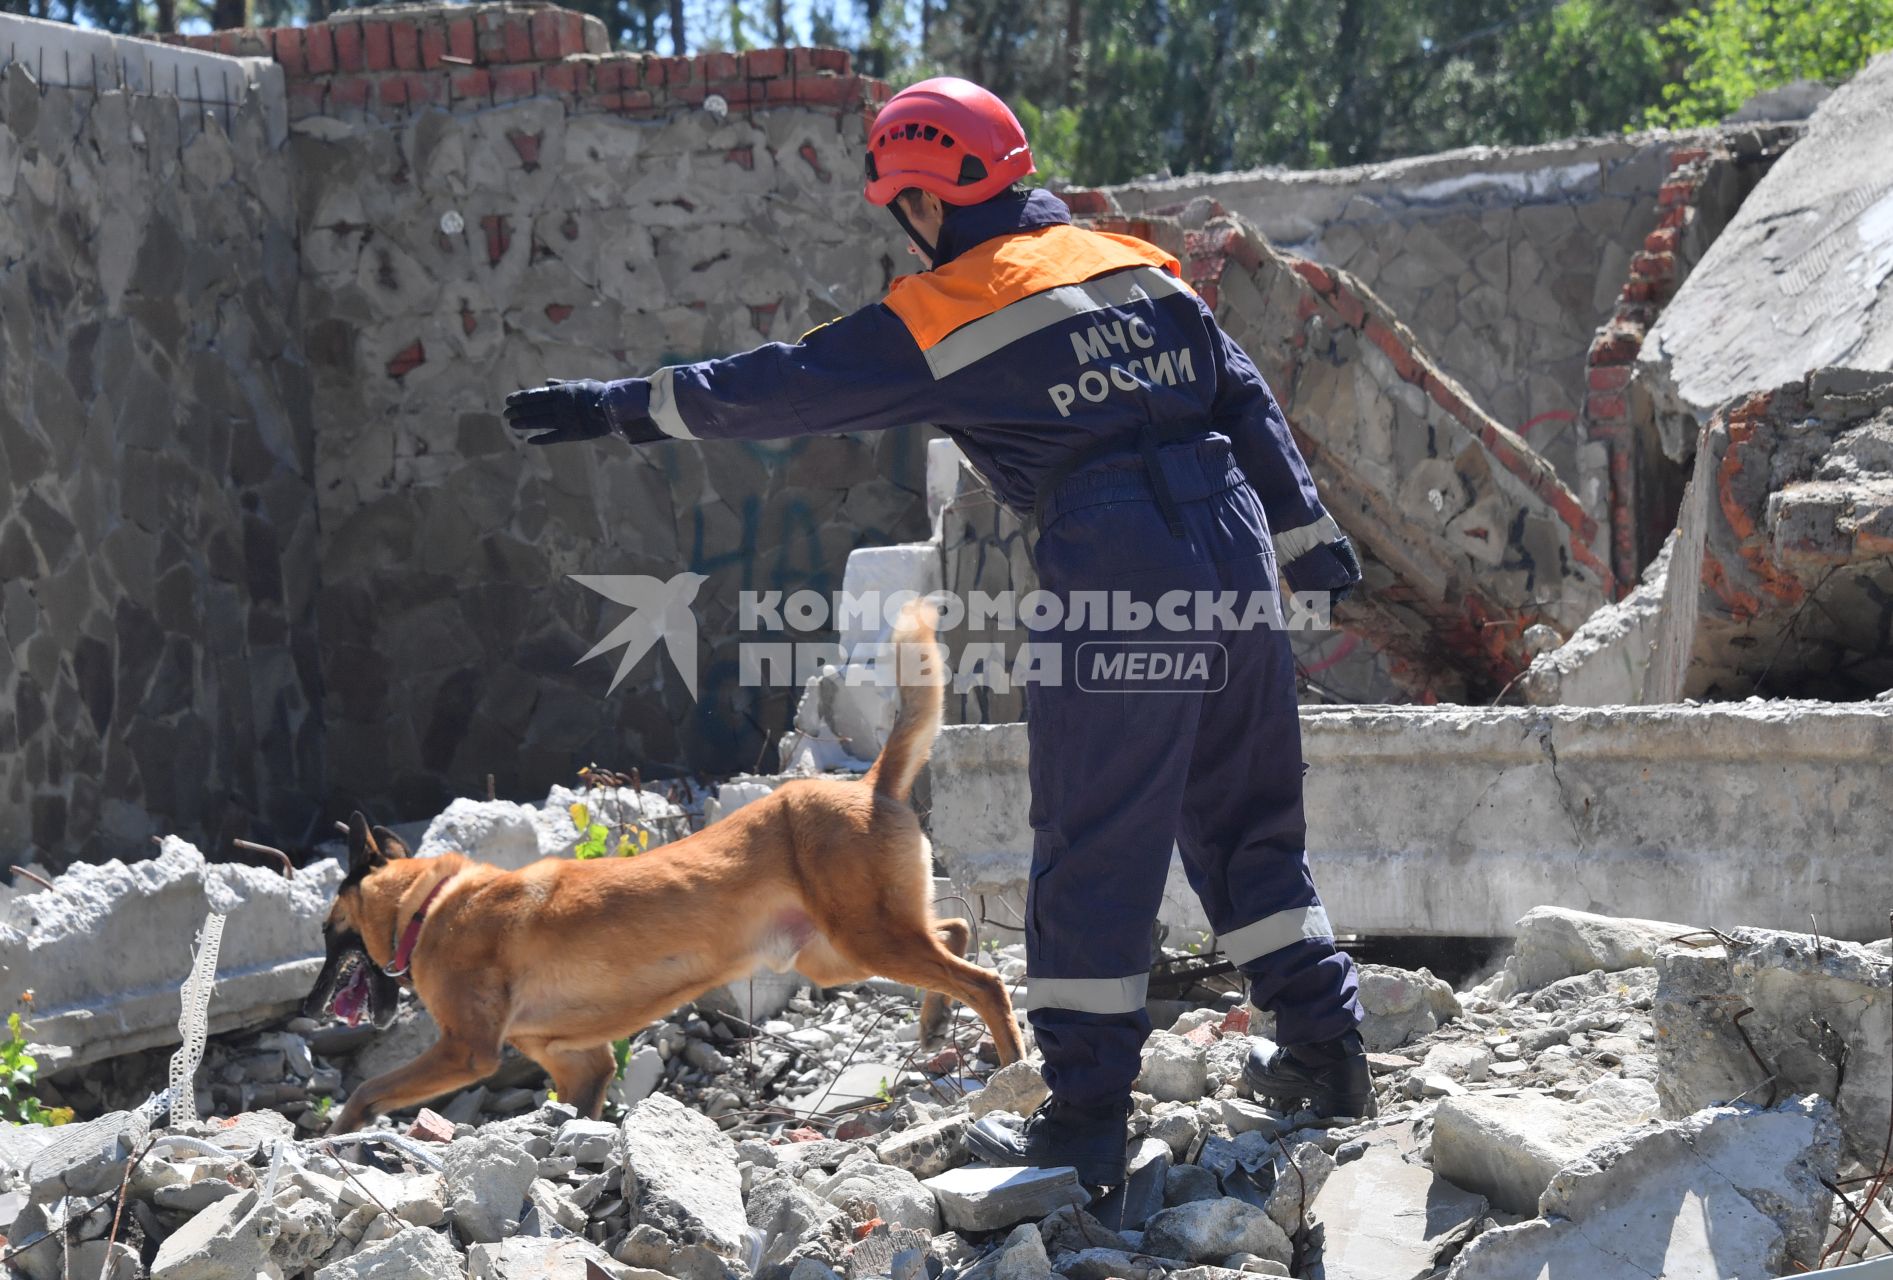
(1578, 1112)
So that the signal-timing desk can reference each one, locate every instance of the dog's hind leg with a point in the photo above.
(922, 959)
(935, 1010)
(580, 1076)
(450, 1063)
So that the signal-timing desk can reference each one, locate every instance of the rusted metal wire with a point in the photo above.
(118, 1211)
(283, 864)
(34, 876)
(1748, 1044)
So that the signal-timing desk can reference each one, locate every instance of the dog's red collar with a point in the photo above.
(404, 949)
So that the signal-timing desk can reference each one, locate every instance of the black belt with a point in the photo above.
(1145, 440)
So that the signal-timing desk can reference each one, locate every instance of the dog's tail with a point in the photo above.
(921, 669)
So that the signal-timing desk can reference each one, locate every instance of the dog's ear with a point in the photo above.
(392, 845)
(364, 855)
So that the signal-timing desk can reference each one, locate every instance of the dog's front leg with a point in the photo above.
(452, 1062)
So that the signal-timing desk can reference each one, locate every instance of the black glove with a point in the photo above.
(1332, 567)
(560, 411)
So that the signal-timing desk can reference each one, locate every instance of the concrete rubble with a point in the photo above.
(1583, 1108)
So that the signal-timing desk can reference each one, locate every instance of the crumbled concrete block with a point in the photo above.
(683, 1169)
(1401, 1005)
(487, 1177)
(540, 1258)
(1509, 1148)
(1187, 1182)
(1140, 1197)
(1174, 1069)
(19, 1143)
(230, 1240)
(1794, 983)
(87, 1159)
(1297, 1182)
(1203, 1230)
(976, 1198)
(1729, 1192)
(1022, 1256)
(590, 1142)
(927, 1150)
(1018, 1088)
(895, 1193)
(786, 1213)
(1385, 1218)
(406, 1255)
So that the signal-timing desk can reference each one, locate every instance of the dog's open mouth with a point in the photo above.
(350, 1001)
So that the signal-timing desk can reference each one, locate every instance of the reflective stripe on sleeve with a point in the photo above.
(1292, 544)
(663, 410)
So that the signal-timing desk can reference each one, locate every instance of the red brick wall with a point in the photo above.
(385, 65)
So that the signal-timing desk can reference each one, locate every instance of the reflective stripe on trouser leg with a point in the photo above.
(1272, 933)
(1088, 995)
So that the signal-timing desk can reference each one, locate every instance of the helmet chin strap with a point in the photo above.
(927, 248)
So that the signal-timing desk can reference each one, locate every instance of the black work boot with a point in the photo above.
(1089, 1139)
(1331, 1077)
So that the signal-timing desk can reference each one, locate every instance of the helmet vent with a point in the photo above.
(971, 171)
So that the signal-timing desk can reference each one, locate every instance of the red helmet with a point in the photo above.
(947, 136)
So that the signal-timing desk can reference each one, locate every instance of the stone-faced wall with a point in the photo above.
(158, 666)
(485, 200)
(1503, 262)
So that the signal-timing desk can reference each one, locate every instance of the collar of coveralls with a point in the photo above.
(967, 225)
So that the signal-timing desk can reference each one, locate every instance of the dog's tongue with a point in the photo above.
(348, 1002)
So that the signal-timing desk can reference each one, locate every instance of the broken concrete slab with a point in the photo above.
(106, 951)
(87, 1159)
(540, 1258)
(1784, 548)
(1792, 282)
(1810, 996)
(513, 835)
(1387, 1218)
(1551, 943)
(1606, 662)
(927, 1150)
(228, 1241)
(1401, 1005)
(1206, 1230)
(406, 1254)
(680, 1170)
(1490, 812)
(1509, 1148)
(1730, 1192)
(978, 1198)
(488, 1175)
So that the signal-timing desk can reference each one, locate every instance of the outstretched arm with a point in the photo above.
(860, 373)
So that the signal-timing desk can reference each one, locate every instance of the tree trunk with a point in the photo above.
(1074, 50)
(679, 44)
(227, 15)
(167, 16)
(779, 20)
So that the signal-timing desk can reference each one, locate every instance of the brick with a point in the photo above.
(433, 45)
(1312, 272)
(377, 50)
(563, 77)
(763, 63)
(349, 91)
(1662, 240)
(744, 156)
(226, 42)
(461, 43)
(471, 82)
(348, 46)
(308, 98)
(514, 82)
(572, 33)
(515, 40)
(1447, 397)
(828, 91)
(425, 89)
(1608, 377)
(404, 43)
(1671, 193)
(408, 359)
(1675, 216)
(498, 237)
(679, 71)
(1605, 405)
(1653, 266)
(543, 30)
(1086, 202)
(288, 50)
(527, 145)
(1686, 155)
(318, 49)
(1388, 341)
(1640, 291)
(1207, 291)
(718, 66)
(1352, 310)
(393, 91)
(815, 61)
(431, 1126)
(557, 312)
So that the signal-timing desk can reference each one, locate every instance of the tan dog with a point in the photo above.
(560, 958)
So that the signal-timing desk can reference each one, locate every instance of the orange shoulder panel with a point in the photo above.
(999, 272)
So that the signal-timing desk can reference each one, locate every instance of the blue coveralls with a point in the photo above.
(1067, 365)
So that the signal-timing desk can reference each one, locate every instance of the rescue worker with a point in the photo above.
(1095, 393)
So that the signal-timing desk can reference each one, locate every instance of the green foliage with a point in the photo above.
(1741, 47)
(626, 840)
(19, 1073)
